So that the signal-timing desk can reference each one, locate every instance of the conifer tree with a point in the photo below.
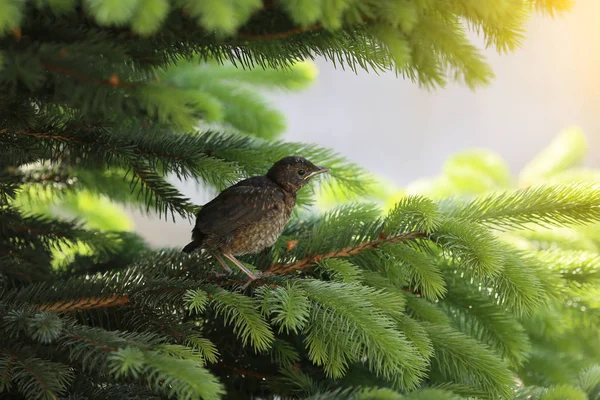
(466, 288)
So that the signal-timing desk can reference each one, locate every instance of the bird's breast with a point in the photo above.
(263, 233)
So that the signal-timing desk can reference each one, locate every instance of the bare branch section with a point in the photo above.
(87, 303)
(309, 261)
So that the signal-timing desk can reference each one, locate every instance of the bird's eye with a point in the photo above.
(301, 172)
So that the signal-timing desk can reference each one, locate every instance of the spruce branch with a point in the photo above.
(472, 246)
(551, 205)
(480, 317)
(113, 81)
(519, 285)
(287, 306)
(156, 190)
(463, 360)
(96, 302)
(589, 380)
(309, 261)
(278, 35)
(36, 378)
(46, 135)
(241, 312)
(419, 270)
(346, 325)
(137, 355)
(46, 233)
(579, 269)
(89, 303)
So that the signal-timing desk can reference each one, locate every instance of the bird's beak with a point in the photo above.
(319, 170)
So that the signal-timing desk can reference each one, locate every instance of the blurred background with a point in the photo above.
(403, 132)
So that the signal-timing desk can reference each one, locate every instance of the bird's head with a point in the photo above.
(292, 173)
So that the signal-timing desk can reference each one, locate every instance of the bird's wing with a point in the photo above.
(236, 206)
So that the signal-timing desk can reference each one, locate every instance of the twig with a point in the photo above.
(9, 364)
(113, 81)
(36, 376)
(306, 263)
(88, 303)
(40, 135)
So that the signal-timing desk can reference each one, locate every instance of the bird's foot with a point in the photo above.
(254, 277)
(218, 275)
(223, 263)
(228, 270)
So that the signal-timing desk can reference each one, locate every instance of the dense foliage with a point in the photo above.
(443, 295)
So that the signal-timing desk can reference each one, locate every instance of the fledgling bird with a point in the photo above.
(249, 216)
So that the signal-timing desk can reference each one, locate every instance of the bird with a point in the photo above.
(250, 215)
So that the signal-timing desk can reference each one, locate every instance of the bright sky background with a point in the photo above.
(394, 128)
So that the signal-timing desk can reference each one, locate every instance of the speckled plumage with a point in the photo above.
(245, 218)
(250, 215)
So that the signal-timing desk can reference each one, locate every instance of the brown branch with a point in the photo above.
(137, 171)
(88, 303)
(36, 376)
(9, 364)
(113, 81)
(306, 263)
(14, 358)
(45, 136)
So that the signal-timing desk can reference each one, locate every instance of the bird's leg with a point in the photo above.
(222, 262)
(244, 269)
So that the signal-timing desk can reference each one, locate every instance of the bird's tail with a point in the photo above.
(191, 246)
(194, 244)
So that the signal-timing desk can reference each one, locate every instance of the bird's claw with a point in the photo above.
(251, 279)
(218, 275)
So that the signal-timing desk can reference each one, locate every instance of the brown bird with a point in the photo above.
(250, 215)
